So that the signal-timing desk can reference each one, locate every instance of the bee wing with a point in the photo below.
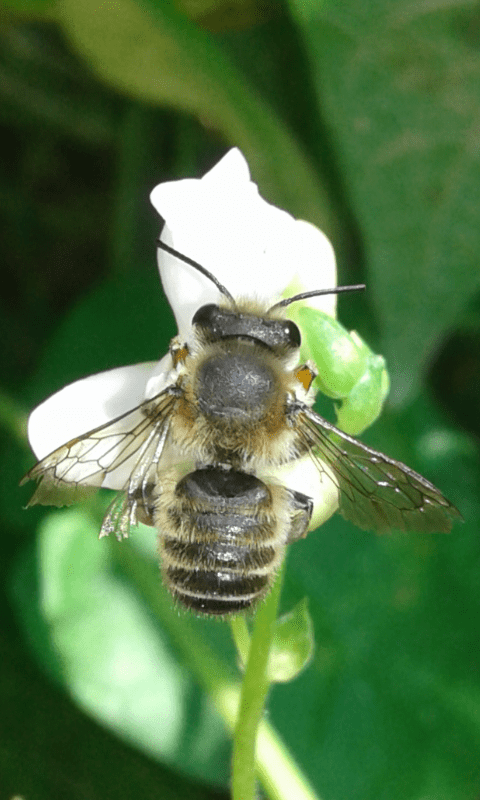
(376, 492)
(127, 449)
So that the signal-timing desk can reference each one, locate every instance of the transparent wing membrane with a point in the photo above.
(376, 492)
(128, 449)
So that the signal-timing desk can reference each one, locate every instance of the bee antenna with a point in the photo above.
(221, 288)
(359, 287)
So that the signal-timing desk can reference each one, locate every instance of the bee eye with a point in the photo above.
(293, 334)
(204, 315)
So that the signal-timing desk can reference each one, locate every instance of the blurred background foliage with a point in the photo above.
(364, 119)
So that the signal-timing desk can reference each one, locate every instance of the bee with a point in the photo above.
(237, 406)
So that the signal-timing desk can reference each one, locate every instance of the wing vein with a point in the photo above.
(375, 491)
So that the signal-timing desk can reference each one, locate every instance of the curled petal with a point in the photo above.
(253, 248)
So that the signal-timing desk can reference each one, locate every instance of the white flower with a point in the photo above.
(254, 249)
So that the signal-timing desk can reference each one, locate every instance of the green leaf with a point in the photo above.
(115, 661)
(41, 86)
(149, 51)
(396, 631)
(293, 644)
(74, 757)
(400, 88)
(218, 15)
(34, 8)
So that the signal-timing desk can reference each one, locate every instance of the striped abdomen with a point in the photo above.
(220, 540)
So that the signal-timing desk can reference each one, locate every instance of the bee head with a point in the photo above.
(216, 324)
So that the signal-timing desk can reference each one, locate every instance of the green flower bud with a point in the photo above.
(293, 644)
(347, 369)
(364, 403)
(340, 361)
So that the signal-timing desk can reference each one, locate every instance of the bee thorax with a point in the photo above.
(235, 387)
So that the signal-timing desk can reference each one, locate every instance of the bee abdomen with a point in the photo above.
(217, 555)
(219, 540)
(215, 591)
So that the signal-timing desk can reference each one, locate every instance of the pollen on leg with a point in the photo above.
(179, 354)
(305, 376)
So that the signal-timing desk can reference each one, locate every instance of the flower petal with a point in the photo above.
(305, 477)
(253, 248)
(86, 404)
(316, 267)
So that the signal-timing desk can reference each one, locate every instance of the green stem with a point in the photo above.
(253, 695)
(241, 637)
(281, 777)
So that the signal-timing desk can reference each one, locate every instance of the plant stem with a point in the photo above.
(253, 694)
(241, 637)
(281, 777)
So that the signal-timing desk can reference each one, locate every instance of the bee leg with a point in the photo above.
(143, 502)
(301, 508)
(178, 351)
